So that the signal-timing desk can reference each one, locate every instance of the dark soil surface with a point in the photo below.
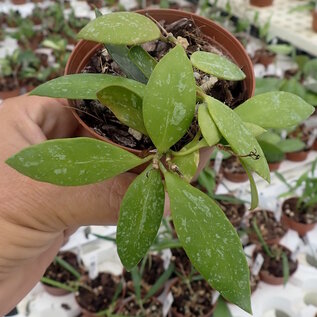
(8, 83)
(195, 300)
(275, 266)
(99, 293)
(57, 273)
(151, 307)
(303, 215)
(153, 269)
(181, 261)
(269, 227)
(103, 121)
(233, 211)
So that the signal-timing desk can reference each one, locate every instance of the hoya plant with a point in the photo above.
(160, 99)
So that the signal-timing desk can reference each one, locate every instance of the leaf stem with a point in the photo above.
(198, 146)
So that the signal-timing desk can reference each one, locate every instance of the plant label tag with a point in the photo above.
(93, 266)
(291, 241)
(218, 162)
(257, 264)
(215, 296)
(295, 253)
(278, 212)
(283, 134)
(168, 301)
(312, 138)
(166, 256)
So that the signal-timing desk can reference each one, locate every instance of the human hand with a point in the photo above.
(36, 218)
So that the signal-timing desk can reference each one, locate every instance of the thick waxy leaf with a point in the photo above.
(120, 28)
(169, 99)
(269, 137)
(207, 126)
(253, 188)
(294, 86)
(120, 54)
(291, 145)
(125, 104)
(281, 49)
(239, 137)
(84, 86)
(264, 85)
(216, 65)
(222, 309)
(188, 164)
(141, 213)
(272, 152)
(255, 129)
(73, 162)
(143, 60)
(210, 241)
(275, 110)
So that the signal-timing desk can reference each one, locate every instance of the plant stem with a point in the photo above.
(57, 284)
(198, 146)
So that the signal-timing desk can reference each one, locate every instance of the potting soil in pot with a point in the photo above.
(103, 121)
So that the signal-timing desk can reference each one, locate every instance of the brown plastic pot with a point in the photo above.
(214, 33)
(18, 2)
(55, 291)
(314, 147)
(235, 177)
(297, 156)
(261, 3)
(274, 166)
(314, 20)
(300, 228)
(9, 93)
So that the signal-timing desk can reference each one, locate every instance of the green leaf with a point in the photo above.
(143, 60)
(125, 104)
(67, 267)
(264, 85)
(120, 28)
(207, 126)
(73, 162)
(210, 241)
(275, 110)
(294, 86)
(141, 213)
(310, 68)
(269, 137)
(238, 136)
(257, 230)
(272, 152)
(281, 49)
(255, 129)
(216, 65)
(291, 145)
(54, 283)
(188, 164)
(254, 190)
(120, 54)
(222, 309)
(169, 99)
(84, 86)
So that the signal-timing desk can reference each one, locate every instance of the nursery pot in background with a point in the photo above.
(315, 20)
(300, 228)
(261, 3)
(214, 33)
(9, 93)
(55, 291)
(297, 156)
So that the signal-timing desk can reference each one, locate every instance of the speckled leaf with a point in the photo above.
(73, 162)
(169, 99)
(209, 240)
(255, 129)
(125, 104)
(120, 28)
(270, 137)
(207, 126)
(141, 213)
(253, 188)
(188, 164)
(84, 86)
(143, 60)
(120, 54)
(275, 110)
(216, 65)
(238, 136)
